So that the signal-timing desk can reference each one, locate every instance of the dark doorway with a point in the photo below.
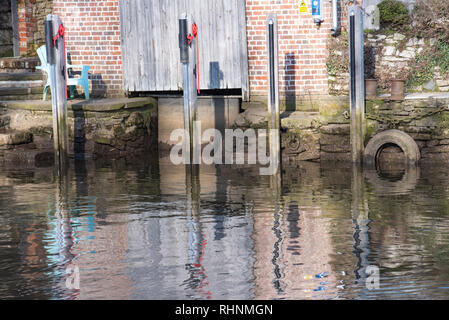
(6, 35)
(9, 38)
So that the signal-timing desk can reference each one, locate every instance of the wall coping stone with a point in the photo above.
(103, 105)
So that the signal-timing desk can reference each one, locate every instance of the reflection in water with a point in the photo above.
(360, 222)
(275, 187)
(197, 281)
(158, 231)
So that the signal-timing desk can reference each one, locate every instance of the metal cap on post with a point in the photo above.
(49, 46)
(183, 46)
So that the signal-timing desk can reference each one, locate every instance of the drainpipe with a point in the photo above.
(334, 17)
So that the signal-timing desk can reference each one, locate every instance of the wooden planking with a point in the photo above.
(244, 79)
(122, 41)
(140, 43)
(133, 39)
(174, 51)
(221, 54)
(150, 50)
(158, 53)
(227, 44)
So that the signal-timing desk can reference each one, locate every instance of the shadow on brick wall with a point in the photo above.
(98, 86)
(290, 81)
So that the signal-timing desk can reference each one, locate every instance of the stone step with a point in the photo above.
(25, 97)
(298, 119)
(20, 91)
(22, 84)
(15, 138)
(21, 76)
(17, 64)
(34, 157)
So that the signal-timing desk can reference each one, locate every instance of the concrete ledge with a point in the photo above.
(419, 96)
(299, 102)
(103, 105)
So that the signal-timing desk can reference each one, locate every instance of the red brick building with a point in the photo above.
(93, 38)
(302, 47)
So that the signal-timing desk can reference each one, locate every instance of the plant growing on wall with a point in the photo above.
(430, 21)
(338, 59)
(433, 56)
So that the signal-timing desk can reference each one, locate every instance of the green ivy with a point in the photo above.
(425, 63)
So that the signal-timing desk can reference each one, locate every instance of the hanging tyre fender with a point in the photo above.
(393, 136)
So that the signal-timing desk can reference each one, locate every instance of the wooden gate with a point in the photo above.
(149, 35)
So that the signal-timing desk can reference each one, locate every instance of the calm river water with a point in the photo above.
(147, 232)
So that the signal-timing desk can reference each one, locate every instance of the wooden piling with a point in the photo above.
(273, 85)
(357, 82)
(360, 220)
(189, 67)
(58, 92)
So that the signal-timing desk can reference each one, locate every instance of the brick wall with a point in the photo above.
(31, 16)
(302, 46)
(93, 38)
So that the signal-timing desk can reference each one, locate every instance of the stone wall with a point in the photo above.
(319, 135)
(388, 57)
(324, 135)
(93, 38)
(123, 129)
(425, 120)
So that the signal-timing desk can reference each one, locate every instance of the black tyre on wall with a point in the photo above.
(393, 136)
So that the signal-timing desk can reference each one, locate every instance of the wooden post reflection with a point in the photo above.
(360, 222)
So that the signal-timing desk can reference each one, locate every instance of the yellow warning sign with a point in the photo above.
(303, 7)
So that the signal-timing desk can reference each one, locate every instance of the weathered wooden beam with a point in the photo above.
(188, 55)
(273, 86)
(56, 58)
(357, 82)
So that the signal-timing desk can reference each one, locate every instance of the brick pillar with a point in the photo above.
(26, 24)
